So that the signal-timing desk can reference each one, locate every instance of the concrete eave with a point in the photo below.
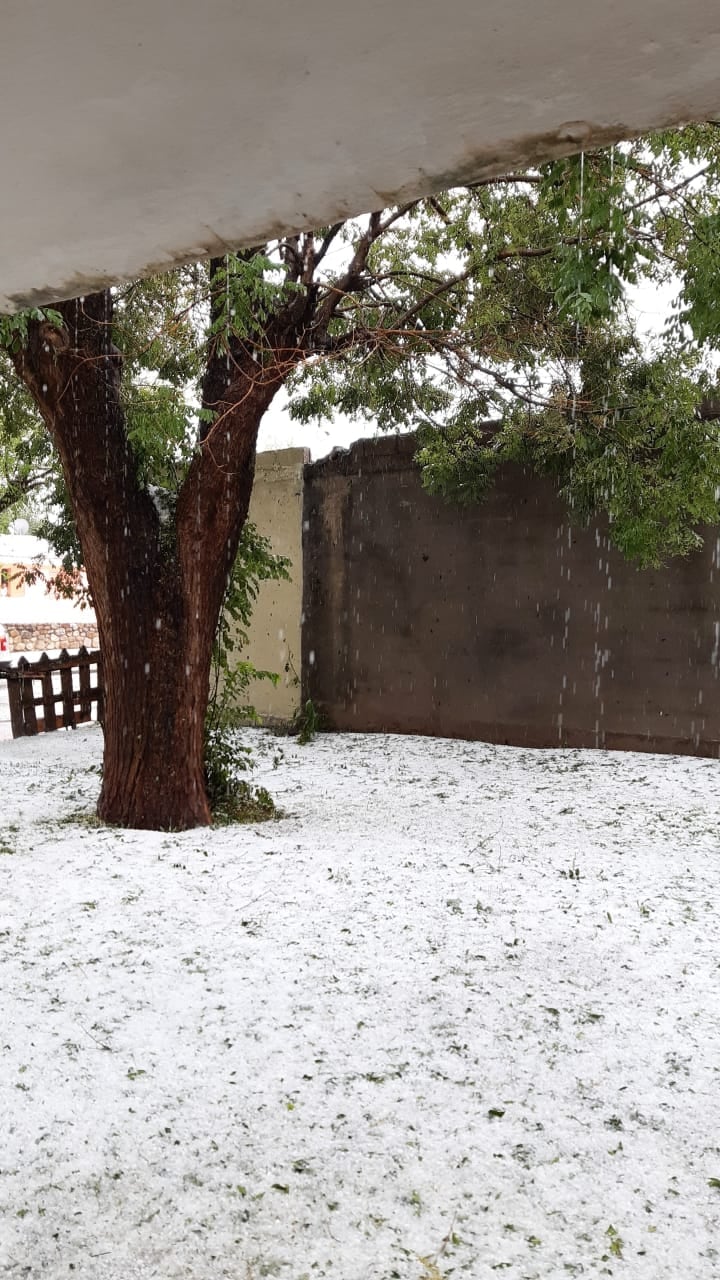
(139, 135)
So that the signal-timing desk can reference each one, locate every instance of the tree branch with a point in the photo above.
(443, 288)
(326, 242)
(349, 280)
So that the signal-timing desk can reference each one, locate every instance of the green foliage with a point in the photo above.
(307, 723)
(230, 677)
(54, 522)
(26, 455)
(651, 464)
(700, 300)
(459, 461)
(632, 446)
(233, 798)
(155, 327)
(14, 329)
(160, 430)
(247, 290)
(598, 250)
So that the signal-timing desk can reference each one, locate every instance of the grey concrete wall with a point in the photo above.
(499, 622)
(274, 633)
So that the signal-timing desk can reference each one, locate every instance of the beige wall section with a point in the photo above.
(276, 509)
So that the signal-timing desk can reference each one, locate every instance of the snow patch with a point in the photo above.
(453, 1015)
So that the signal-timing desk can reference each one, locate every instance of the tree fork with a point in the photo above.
(157, 589)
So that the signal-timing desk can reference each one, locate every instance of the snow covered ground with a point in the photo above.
(455, 1014)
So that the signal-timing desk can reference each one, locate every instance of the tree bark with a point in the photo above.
(157, 581)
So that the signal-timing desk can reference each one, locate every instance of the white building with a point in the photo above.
(33, 613)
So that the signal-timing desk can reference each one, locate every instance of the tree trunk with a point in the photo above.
(156, 650)
(157, 581)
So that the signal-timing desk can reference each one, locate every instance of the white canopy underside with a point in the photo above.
(140, 134)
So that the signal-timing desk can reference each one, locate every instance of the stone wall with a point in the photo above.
(499, 621)
(30, 637)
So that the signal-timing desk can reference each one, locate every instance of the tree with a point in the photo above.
(627, 430)
(26, 461)
(505, 299)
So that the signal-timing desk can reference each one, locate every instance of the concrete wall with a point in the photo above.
(274, 634)
(500, 622)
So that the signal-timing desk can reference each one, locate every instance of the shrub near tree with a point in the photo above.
(505, 300)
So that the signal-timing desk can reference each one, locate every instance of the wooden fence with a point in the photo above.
(33, 685)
